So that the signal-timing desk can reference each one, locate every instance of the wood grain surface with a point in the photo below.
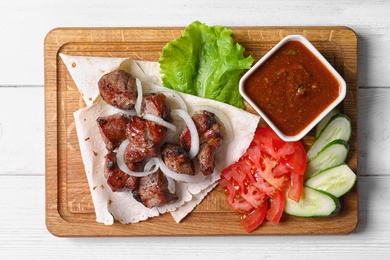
(69, 209)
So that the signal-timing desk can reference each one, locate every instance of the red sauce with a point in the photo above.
(292, 87)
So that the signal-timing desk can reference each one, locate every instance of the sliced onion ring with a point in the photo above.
(174, 94)
(159, 121)
(122, 111)
(152, 162)
(177, 98)
(122, 165)
(138, 101)
(223, 119)
(192, 127)
(198, 177)
(171, 184)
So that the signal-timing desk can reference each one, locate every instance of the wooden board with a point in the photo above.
(69, 209)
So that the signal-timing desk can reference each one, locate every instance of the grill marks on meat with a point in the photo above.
(116, 178)
(153, 190)
(119, 89)
(207, 126)
(113, 130)
(135, 153)
(156, 104)
(210, 138)
(145, 139)
(177, 160)
(206, 156)
(142, 132)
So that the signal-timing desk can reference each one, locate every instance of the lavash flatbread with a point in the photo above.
(86, 71)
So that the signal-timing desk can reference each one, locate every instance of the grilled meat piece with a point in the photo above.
(145, 139)
(153, 190)
(142, 132)
(207, 126)
(119, 89)
(210, 138)
(206, 155)
(134, 153)
(177, 160)
(156, 104)
(116, 178)
(113, 130)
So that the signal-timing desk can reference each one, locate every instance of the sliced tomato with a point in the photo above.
(296, 187)
(297, 160)
(290, 154)
(275, 211)
(268, 167)
(254, 218)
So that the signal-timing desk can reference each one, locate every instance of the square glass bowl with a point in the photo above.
(293, 94)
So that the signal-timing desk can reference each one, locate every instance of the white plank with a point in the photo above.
(23, 233)
(22, 149)
(374, 131)
(25, 30)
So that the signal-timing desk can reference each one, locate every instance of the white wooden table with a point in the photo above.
(23, 26)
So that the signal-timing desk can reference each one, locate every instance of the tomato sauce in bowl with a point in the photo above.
(293, 87)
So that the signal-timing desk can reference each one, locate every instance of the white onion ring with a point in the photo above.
(152, 162)
(159, 121)
(174, 94)
(138, 102)
(193, 131)
(122, 111)
(122, 165)
(223, 119)
(171, 184)
(198, 177)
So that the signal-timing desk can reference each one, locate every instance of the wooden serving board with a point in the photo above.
(69, 209)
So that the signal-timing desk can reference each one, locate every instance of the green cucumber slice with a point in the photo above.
(332, 154)
(313, 203)
(339, 127)
(336, 180)
(321, 125)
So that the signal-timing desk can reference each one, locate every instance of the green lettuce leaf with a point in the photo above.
(205, 62)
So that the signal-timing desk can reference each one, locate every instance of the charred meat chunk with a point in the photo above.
(156, 104)
(177, 160)
(119, 89)
(207, 127)
(153, 190)
(116, 178)
(210, 138)
(206, 155)
(145, 139)
(144, 132)
(113, 130)
(134, 153)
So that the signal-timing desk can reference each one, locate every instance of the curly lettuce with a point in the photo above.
(205, 62)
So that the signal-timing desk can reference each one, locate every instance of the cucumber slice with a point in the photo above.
(331, 155)
(321, 125)
(336, 180)
(339, 127)
(313, 203)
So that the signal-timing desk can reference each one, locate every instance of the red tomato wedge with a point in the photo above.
(255, 186)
